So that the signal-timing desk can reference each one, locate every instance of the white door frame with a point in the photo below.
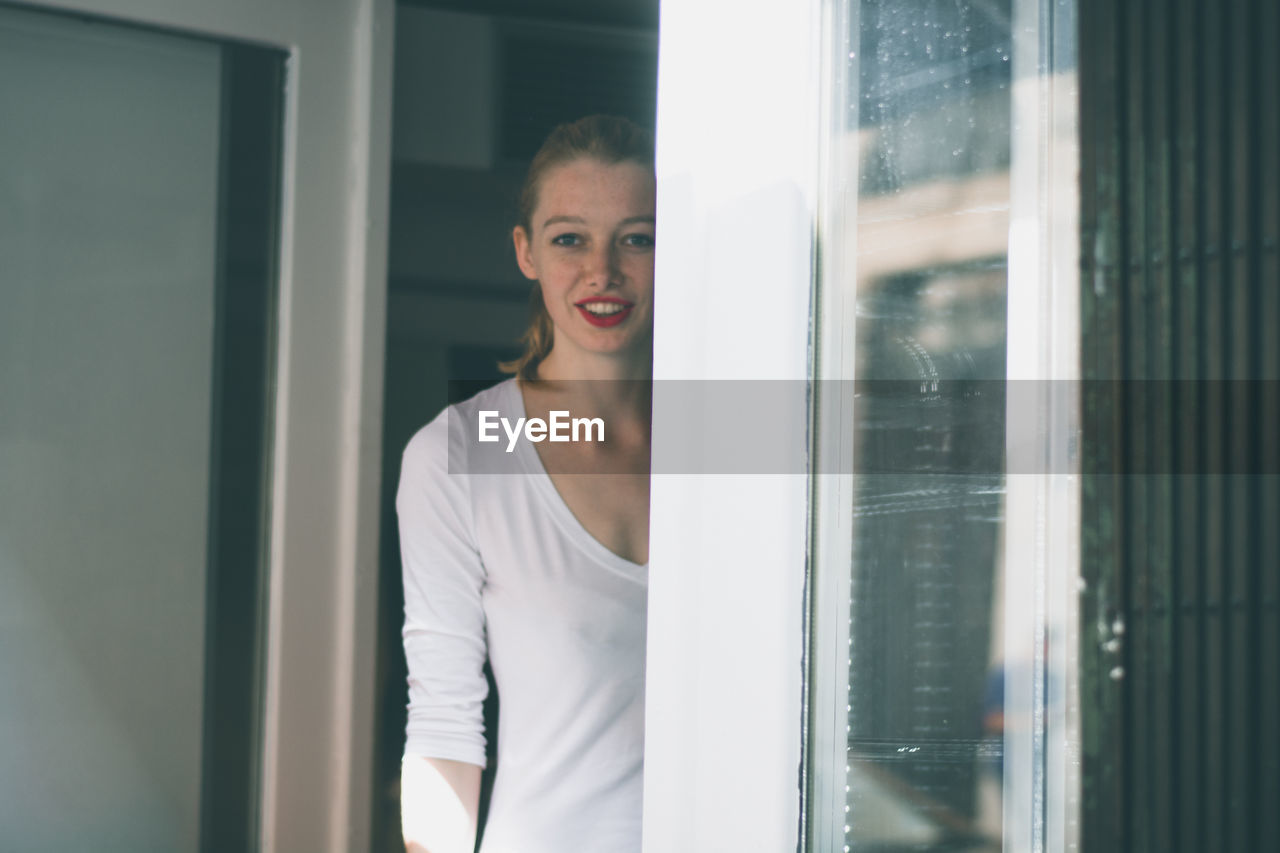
(738, 145)
(326, 456)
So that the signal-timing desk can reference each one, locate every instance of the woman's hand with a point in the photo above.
(439, 800)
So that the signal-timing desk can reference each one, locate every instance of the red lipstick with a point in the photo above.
(602, 320)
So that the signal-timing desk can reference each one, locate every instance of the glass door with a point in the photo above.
(942, 666)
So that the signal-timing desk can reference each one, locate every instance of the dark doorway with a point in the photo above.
(478, 85)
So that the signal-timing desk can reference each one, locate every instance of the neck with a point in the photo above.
(616, 384)
(560, 365)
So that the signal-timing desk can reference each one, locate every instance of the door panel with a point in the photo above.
(108, 199)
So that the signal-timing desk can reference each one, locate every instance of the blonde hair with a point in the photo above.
(610, 140)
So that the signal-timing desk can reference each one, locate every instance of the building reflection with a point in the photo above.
(930, 138)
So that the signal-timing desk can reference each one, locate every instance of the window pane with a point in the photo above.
(933, 123)
(946, 678)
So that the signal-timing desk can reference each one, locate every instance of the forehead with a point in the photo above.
(592, 190)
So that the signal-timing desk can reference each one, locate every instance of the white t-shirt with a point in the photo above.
(496, 563)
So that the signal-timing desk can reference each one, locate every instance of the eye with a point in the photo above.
(638, 241)
(567, 240)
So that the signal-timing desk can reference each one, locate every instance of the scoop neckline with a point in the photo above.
(531, 462)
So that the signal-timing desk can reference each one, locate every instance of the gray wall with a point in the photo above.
(107, 235)
(453, 275)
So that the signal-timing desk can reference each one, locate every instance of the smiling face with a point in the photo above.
(589, 244)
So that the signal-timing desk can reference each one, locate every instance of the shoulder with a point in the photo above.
(447, 443)
(502, 397)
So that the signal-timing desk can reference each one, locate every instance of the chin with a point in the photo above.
(630, 347)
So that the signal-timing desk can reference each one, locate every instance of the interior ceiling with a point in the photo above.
(641, 14)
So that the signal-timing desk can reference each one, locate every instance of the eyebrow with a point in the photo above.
(578, 220)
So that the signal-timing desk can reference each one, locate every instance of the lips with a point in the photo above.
(604, 311)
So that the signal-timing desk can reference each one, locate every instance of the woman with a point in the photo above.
(544, 572)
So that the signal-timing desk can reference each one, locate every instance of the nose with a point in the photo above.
(601, 268)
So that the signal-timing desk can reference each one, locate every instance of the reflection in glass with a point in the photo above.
(930, 108)
(955, 246)
(949, 269)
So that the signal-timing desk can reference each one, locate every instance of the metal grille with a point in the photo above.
(1181, 314)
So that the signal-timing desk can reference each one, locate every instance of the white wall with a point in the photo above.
(324, 502)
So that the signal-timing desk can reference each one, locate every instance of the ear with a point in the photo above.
(524, 252)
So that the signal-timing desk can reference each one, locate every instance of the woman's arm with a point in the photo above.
(444, 643)
(438, 803)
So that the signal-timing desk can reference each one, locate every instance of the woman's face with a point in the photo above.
(591, 248)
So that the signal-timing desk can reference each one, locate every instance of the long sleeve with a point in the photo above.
(444, 628)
